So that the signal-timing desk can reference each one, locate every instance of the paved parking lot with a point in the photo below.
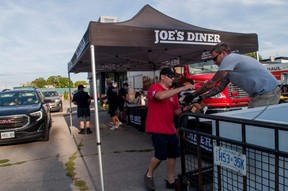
(126, 154)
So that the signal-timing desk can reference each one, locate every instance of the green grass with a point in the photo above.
(70, 170)
(5, 163)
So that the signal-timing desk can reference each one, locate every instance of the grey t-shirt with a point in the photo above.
(248, 74)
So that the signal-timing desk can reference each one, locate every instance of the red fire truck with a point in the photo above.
(231, 98)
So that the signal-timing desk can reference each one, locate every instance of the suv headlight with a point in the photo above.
(37, 115)
(57, 100)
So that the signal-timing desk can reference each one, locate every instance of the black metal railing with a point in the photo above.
(207, 142)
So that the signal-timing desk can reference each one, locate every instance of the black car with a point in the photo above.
(24, 116)
(54, 100)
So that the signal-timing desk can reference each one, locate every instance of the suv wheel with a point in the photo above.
(61, 107)
(46, 134)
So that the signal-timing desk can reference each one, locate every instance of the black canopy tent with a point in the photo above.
(147, 42)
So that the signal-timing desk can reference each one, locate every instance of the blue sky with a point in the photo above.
(38, 38)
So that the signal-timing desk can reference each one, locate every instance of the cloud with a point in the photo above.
(38, 38)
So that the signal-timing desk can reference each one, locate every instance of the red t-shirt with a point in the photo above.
(160, 113)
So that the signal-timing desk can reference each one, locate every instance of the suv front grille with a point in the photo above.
(15, 121)
(240, 93)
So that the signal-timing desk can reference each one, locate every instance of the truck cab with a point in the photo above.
(231, 98)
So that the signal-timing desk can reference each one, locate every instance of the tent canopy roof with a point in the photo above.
(149, 41)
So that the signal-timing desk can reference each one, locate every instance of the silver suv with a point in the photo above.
(53, 99)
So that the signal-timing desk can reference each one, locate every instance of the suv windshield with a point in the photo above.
(18, 98)
(202, 67)
(50, 93)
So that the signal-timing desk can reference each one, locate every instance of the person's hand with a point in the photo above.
(188, 98)
(187, 87)
(198, 99)
(186, 108)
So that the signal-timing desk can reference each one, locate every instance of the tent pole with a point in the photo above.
(96, 115)
(70, 110)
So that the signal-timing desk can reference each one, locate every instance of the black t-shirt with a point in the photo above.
(112, 95)
(82, 99)
(122, 92)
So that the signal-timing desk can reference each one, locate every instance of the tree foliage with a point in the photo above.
(254, 55)
(53, 80)
(39, 83)
(80, 82)
(57, 82)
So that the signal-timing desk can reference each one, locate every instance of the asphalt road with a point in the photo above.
(43, 165)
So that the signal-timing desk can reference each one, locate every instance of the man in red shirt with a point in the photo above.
(162, 106)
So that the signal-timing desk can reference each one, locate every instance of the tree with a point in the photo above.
(63, 82)
(39, 83)
(254, 55)
(59, 82)
(77, 83)
(53, 80)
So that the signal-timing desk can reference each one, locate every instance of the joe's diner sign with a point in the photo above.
(185, 37)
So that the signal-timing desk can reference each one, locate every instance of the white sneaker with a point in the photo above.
(113, 128)
(119, 124)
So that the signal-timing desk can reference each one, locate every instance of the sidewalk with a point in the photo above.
(126, 154)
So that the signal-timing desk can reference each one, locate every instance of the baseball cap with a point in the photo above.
(80, 87)
(167, 72)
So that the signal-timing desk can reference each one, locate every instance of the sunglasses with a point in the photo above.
(170, 76)
(215, 58)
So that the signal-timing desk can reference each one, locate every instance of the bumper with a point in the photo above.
(55, 106)
(218, 110)
(31, 133)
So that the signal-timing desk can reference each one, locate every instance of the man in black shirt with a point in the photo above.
(83, 100)
(113, 105)
(123, 97)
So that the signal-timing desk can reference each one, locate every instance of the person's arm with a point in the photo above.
(171, 92)
(125, 98)
(219, 76)
(183, 109)
(217, 89)
(74, 99)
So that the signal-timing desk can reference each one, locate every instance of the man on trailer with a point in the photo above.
(245, 72)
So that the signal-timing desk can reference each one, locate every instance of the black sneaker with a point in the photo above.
(82, 131)
(88, 131)
(149, 182)
(171, 185)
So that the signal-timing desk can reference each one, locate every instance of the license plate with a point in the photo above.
(8, 135)
(230, 159)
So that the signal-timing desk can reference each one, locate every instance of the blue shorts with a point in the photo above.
(166, 146)
(83, 113)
